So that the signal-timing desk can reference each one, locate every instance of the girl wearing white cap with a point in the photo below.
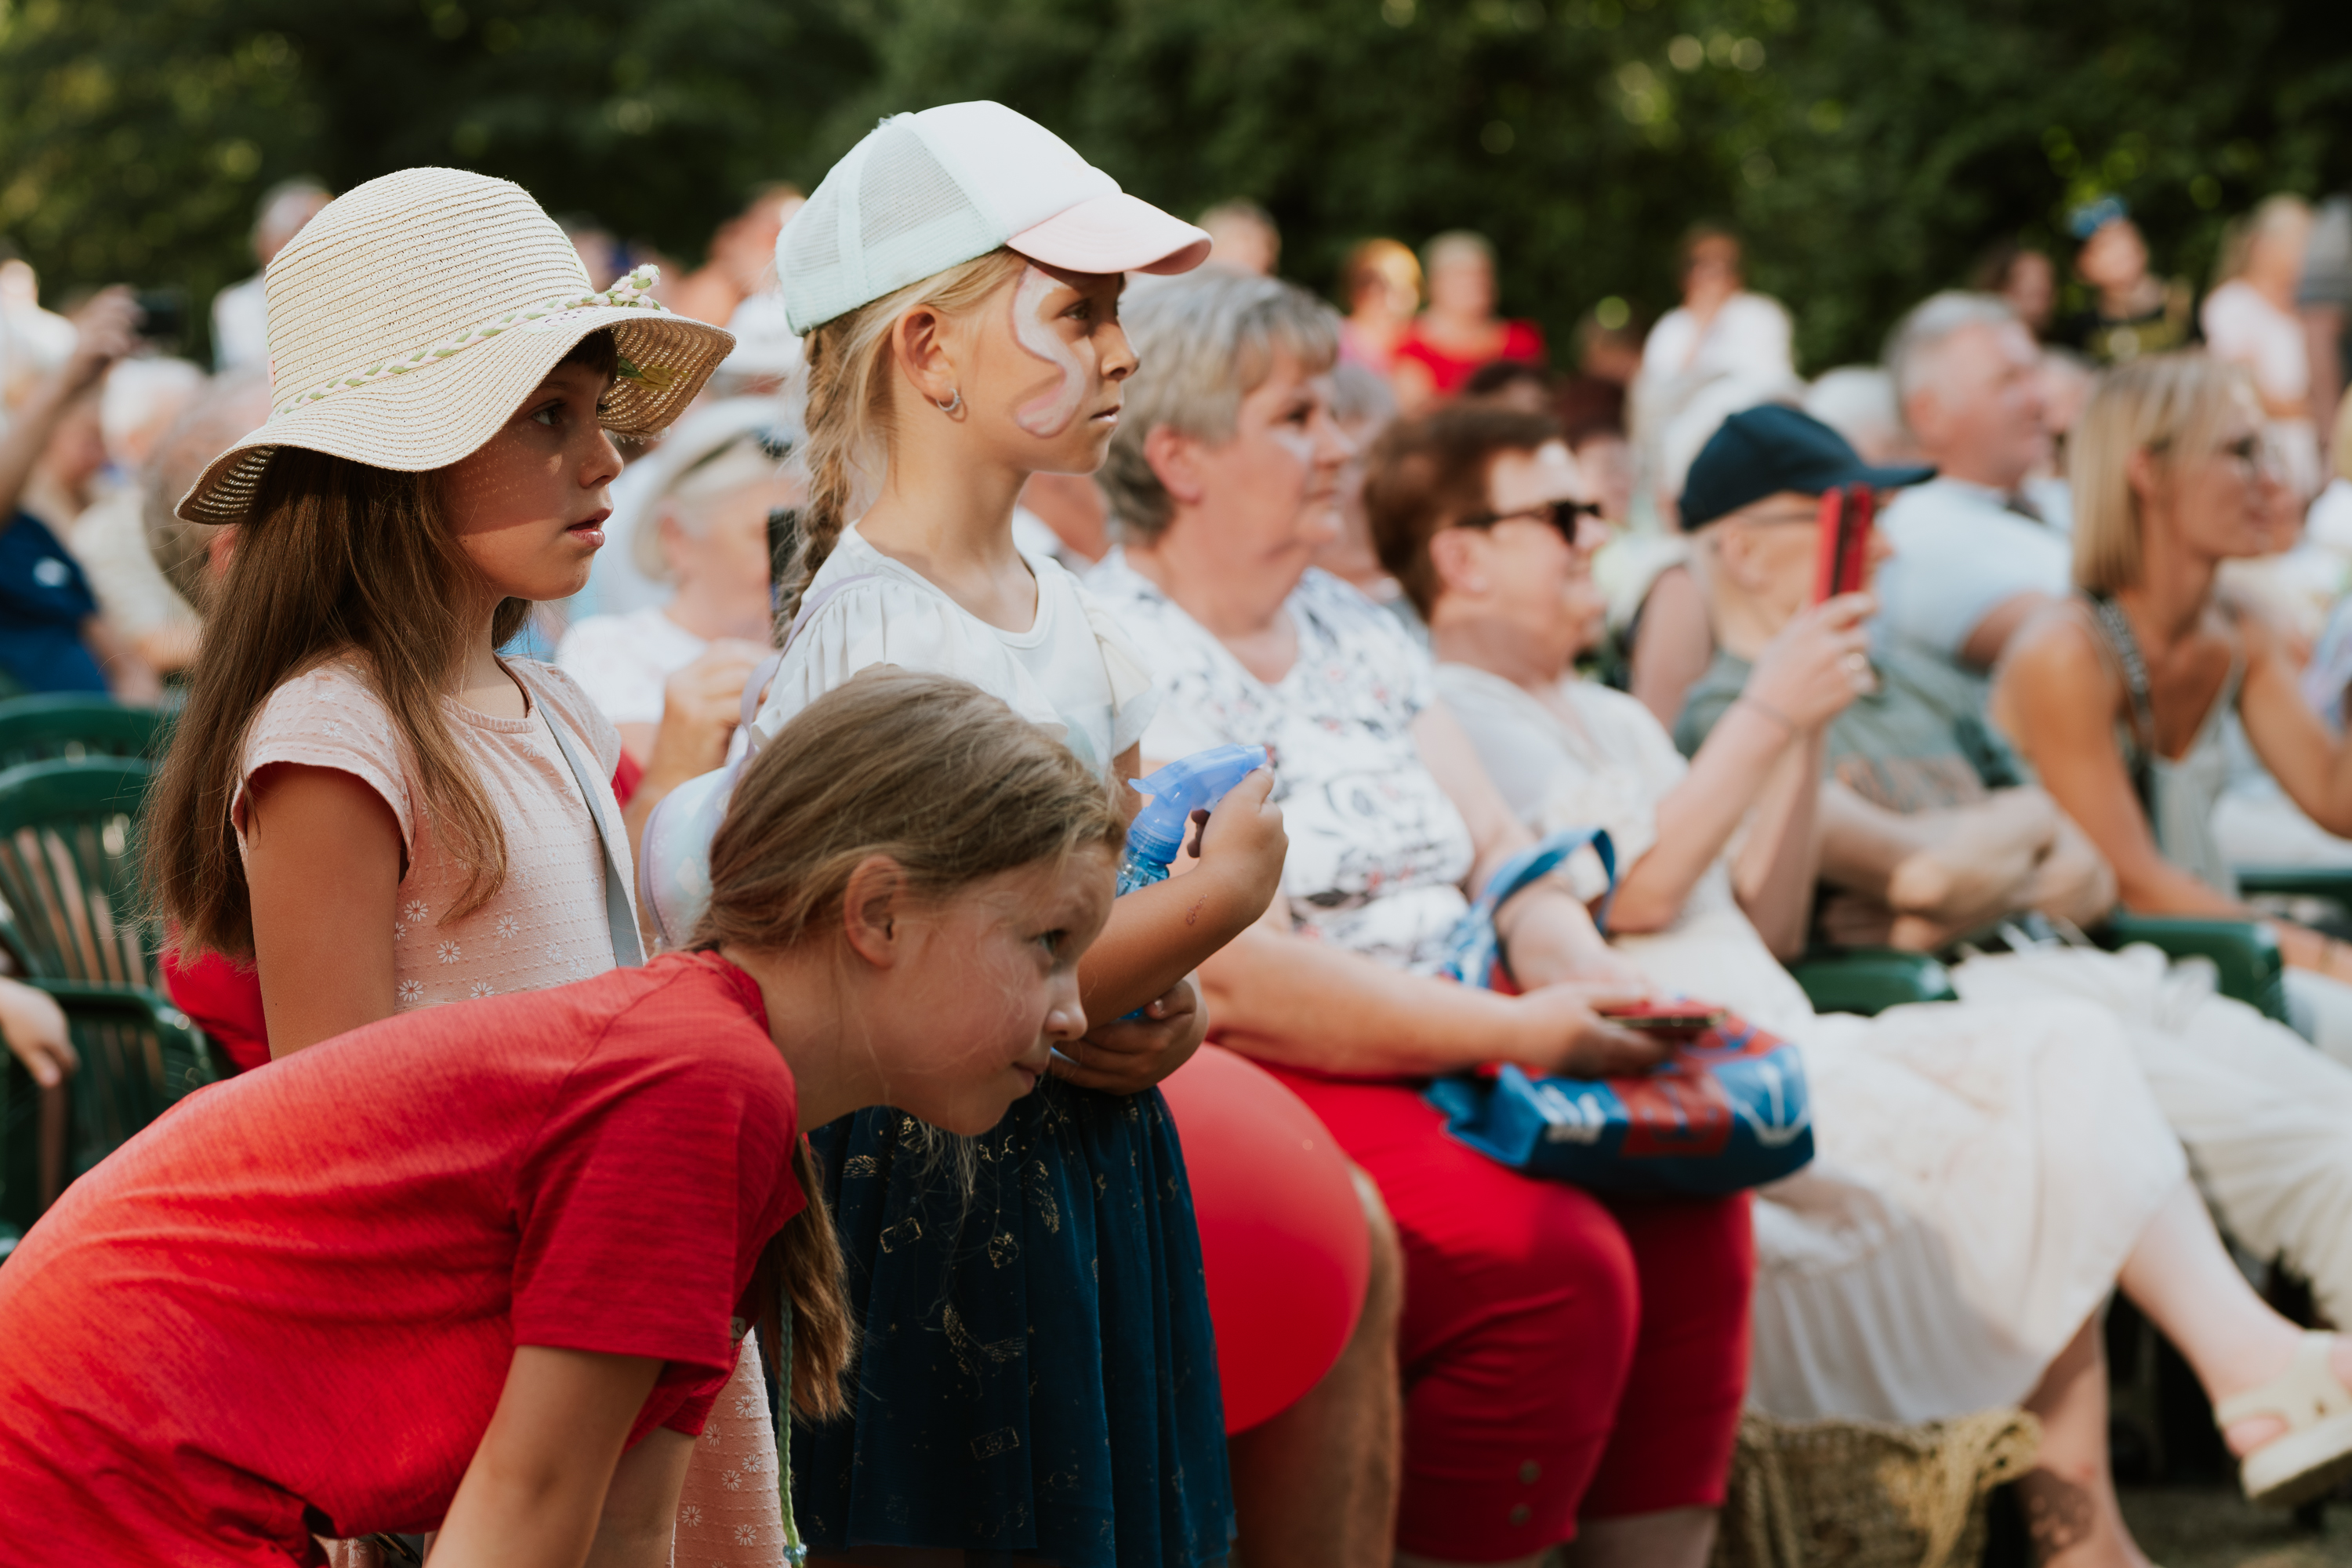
(361, 797)
(1038, 1375)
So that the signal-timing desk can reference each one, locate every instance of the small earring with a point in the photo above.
(954, 402)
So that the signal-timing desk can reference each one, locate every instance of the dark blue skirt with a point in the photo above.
(1038, 1374)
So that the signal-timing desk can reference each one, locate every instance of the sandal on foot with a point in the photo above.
(2315, 1452)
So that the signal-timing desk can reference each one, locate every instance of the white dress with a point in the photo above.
(1983, 1169)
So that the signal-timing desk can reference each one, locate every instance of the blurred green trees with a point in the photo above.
(1870, 149)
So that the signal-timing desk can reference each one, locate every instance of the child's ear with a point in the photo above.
(920, 344)
(871, 905)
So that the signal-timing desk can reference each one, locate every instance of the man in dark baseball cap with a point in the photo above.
(1761, 453)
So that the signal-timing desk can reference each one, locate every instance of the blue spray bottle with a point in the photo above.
(1177, 791)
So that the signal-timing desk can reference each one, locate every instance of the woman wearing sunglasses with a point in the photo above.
(2121, 698)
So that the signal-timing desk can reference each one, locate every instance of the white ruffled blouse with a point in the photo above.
(1073, 672)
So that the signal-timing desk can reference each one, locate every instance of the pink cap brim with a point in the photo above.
(1117, 233)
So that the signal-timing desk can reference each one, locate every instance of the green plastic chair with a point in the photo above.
(139, 1054)
(1870, 980)
(68, 726)
(2245, 954)
(69, 870)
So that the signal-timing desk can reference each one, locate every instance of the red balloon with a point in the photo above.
(1282, 1231)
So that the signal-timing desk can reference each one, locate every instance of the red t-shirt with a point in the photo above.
(301, 1289)
(1521, 341)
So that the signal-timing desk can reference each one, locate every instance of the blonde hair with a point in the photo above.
(849, 416)
(954, 786)
(2170, 405)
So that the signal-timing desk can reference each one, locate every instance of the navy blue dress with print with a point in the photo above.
(1038, 1375)
(43, 599)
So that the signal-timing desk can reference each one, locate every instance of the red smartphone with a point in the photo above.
(1841, 561)
(1663, 1017)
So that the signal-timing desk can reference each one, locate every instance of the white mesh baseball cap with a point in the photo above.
(924, 192)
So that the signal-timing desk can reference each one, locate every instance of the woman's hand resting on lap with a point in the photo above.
(1568, 1038)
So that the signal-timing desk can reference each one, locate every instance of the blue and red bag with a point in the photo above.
(1727, 1110)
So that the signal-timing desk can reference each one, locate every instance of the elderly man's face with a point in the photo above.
(1981, 415)
(1770, 549)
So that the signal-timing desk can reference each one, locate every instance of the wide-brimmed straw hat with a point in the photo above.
(409, 319)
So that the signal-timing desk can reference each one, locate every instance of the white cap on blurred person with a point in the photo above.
(926, 191)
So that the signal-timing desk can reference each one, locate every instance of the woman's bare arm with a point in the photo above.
(2313, 766)
(535, 1493)
(1673, 643)
(323, 863)
(1697, 818)
(1548, 934)
(1293, 1000)
(2058, 700)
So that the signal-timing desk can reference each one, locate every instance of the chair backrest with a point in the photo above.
(69, 870)
(67, 726)
(139, 1056)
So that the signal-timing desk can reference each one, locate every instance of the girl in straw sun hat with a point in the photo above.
(1038, 1379)
(361, 797)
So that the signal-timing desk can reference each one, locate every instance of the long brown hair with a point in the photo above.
(333, 557)
(952, 785)
(849, 417)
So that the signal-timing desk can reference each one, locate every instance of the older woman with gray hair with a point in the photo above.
(1566, 1358)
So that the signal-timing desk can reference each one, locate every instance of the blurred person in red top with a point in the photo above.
(525, 1264)
(1459, 331)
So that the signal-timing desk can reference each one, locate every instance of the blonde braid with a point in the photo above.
(849, 416)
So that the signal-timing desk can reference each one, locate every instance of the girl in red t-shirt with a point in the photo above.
(504, 1294)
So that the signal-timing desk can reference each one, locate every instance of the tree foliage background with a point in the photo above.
(1868, 149)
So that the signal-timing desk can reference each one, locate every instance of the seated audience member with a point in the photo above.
(1362, 406)
(2132, 311)
(1668, 639)
(1242, 238)
(2024, 280)
(703, 530)
(1975, 553)
(1857, 400)
(193, 557)
(1973, 1137)
(741, 262)
(1720, 334)
(1459, 331)
(2120, 698)
(241, 310)
(52, 637)
(1381, 284)
(504, 1297)
(1514, 384)
(1537, 1317)
(145, 399)
(2250, 320)
(1927, 835)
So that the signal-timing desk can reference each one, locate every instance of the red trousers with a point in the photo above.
(1565, 1356)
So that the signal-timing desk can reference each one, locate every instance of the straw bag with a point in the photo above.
(1855, 1494)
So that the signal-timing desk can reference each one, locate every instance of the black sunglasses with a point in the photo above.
(1563, 515)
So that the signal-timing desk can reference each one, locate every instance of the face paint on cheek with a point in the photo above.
(1296, 441)
(1048, 412)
